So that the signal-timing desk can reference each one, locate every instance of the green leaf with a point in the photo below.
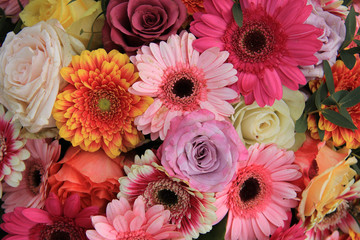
(353, 50)
(348, 59)
(237, 13)
(321, 134)
(217, 232)
(81, 31)
(344, 113)
(2, 19)
(329, 77)
(20, 5)
(334, 98)
(104, 4)
(301, 124)
(338, 119)
(351, 99)
(71, 2)
(347, 2)
(356, 168)
(310, 104)
(18, 25)
(320, 95)
(357, 42)
(350, 24)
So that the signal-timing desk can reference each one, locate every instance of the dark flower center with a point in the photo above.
(255, 41)
(64, 229)
(170, 194)
(250, 189)
(60, 236)
(183, 88)
(34, 176)
(167, 197)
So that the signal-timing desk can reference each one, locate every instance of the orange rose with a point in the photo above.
(92, 175)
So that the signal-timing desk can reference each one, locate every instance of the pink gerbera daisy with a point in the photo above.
(12, 153)
(124, 222)
(57, 221)
(32, 190)
(267, 49)
(181, 80)
(191, 211)
(259, 197)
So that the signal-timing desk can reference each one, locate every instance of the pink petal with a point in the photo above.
(37, 215)
(208, 42)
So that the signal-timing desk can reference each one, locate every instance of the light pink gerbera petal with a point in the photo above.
(191, 211)
(32, 190)
(261, 194)
(272, 33)
(182, 80)
(134, 223)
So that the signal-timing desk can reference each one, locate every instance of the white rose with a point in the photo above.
(269, 124)
(30, 64)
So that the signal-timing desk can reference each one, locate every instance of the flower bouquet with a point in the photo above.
(179, 119)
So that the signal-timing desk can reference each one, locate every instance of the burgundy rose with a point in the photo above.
(132, 23)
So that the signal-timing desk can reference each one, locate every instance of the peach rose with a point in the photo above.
(324, 192)
(30, 64)
(92, 175)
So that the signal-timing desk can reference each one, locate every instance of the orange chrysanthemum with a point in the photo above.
(344, 79)
(95, 110)
(194, 6)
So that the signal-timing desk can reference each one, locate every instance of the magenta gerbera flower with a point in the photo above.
(125, 222)
(259, 197)
(181, 80)
(57, 221)
(267, 49)
(33, 188)
(191, 211)
(12, 153)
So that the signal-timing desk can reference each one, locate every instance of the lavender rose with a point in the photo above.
(332, 38)
(133, 23)
(202, 151)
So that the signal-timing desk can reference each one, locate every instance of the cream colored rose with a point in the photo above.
(77, 17)
(269, 124)
(30, 64)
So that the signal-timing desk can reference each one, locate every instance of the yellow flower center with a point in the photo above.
(104, 104)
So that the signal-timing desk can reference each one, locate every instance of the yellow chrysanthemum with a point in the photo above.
(96, 110)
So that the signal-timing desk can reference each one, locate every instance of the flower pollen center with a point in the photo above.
(60, 235)
(255, 41)
(64, 229)
(2, 147)
(171, 195)
(133, 235)
(104, 104)
(167, 197)
(183, 88)
(250, 189)
(34, 176)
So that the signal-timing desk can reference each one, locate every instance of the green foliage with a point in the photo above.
(326, 101)
(217, 232)
(237, 13)
(350, 24)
